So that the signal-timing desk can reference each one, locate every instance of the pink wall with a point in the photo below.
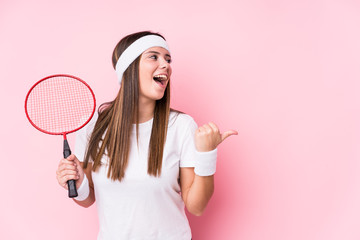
(285, 74)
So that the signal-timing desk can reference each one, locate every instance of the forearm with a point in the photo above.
(88, 201)
(199, 194)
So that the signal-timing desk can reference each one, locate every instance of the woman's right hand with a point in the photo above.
(70, 168)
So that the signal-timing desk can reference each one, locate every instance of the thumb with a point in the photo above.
(228, 134)
(71, 157)
(78, 163)
(76, 160)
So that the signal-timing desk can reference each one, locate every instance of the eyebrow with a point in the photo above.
(157, 53)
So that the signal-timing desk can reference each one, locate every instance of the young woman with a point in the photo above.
(140, 160)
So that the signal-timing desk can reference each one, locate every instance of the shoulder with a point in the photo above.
(86, 131)
(91, 124)
(180, 120)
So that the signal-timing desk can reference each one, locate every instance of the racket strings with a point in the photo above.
(60, 104)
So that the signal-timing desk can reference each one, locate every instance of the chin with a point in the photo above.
(159, 97)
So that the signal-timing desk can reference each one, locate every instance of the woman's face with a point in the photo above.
(154, 73)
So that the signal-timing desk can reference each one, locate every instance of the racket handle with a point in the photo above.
(71, 183)
(72, 188)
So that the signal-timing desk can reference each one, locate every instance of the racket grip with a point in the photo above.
(71, 183)
(72, 188)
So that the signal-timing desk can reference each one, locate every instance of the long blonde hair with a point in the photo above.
(116, 118)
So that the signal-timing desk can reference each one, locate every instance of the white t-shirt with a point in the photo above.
(143, 207)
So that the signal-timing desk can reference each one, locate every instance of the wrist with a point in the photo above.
(205, 163)
(84, 190)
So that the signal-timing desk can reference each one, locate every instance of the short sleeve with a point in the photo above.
(188, 150)
(82, 138)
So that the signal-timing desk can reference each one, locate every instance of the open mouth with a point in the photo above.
(161, 79)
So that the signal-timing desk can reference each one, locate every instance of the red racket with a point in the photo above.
(58, 105)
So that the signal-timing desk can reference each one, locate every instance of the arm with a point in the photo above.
(197, 190)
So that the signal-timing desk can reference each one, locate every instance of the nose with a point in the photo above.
(164, 64)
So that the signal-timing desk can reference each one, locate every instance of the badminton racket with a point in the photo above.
(59, 105)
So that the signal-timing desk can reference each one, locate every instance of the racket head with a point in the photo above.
(60, 104)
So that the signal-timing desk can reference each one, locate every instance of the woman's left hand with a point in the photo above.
(208, 137)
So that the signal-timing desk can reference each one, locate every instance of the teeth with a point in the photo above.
(160, 77)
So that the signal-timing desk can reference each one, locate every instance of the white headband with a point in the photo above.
(135, 50)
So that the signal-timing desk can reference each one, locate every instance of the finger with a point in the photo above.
(68, 176)
(64, 166)
(213, 126)
(76, 160)
(68, 172)
(65, 176)
(201, 129)
(78, 164)
(72, 157)
(62, 180)
(66, 161)
(228, 134)
(207, 128)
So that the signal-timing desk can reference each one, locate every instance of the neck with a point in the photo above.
(146, 110)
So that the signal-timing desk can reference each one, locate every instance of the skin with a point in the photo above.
(196, 190)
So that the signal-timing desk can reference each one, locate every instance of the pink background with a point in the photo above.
(285, 74)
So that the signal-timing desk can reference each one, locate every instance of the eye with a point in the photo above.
(169, 60)
(155, 57)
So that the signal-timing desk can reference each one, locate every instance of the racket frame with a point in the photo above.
(66, 132)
